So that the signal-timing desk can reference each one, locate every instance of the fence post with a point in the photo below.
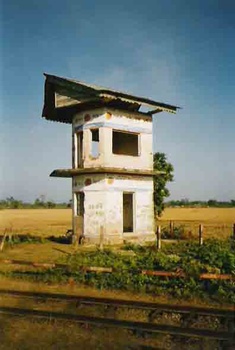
(200, 232)
(233, 236)
(3, 240)
(171, 229)
(159, 237)
(101, 237)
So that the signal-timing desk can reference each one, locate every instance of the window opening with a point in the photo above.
(79, 149)
(125, 143)
(95, 143)
(128, 212)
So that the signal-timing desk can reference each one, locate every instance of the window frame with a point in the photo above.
(129, 133)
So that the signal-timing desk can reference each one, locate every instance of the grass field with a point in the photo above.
(40, 222)
(217, 222)
(44, 222)
(47, 222)
(25, 333)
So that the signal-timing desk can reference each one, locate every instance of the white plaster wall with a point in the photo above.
(114, 220)
(114, 120)
(144, 161)
(104, 204)
(95, 213)
(98, 183)
(144, 212)
(110, 183)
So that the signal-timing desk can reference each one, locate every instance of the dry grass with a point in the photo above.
(72, 288)
(217, 222)
(41, 222)
(208, 215)
(46, 252)
(25, 333)
(45, 222)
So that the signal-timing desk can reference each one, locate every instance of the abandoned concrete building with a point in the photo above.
(112, 158)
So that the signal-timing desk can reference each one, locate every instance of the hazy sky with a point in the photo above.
(176, 51)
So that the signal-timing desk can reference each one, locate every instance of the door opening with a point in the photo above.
(80, 204)
(128, 212)
(79, 214)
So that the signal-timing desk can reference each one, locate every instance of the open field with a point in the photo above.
(45, 222)
(207, 215)
(40, 222)
(217, 222)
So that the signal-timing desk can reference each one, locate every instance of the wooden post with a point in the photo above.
(233, 231)
(171, 229)
(159, 237)
(101, 237)
(3, 240)
(200, 232)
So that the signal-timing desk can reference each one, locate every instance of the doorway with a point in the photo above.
(79, 213)
(128, 212)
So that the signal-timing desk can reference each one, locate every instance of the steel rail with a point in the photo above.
(151, 306)
(109, 322)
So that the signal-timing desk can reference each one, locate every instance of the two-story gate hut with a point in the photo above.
(112, 158)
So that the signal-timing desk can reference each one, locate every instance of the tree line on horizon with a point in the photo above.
(211, 203)
(160, 193)
(39, 203)
(12, 203)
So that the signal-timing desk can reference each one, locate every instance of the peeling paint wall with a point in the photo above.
(106, 122)
(104, 205)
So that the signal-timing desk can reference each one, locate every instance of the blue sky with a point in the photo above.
(176, 51)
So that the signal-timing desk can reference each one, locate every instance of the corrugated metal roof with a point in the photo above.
(82, 96)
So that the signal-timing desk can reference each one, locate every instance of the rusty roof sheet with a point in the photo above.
(81, 96)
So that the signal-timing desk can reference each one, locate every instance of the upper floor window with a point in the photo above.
(79, 152)
(95, 143)
(125, 143)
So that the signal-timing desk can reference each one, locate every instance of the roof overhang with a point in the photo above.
(89, 171)
(63, 98)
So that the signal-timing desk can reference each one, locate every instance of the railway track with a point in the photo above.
(188, 315)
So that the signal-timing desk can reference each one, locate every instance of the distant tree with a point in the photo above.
(232, 202)
(50, 204)
(212, 203)
(69, 204)
(38, 203)
(13, 203)
(160, 163)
